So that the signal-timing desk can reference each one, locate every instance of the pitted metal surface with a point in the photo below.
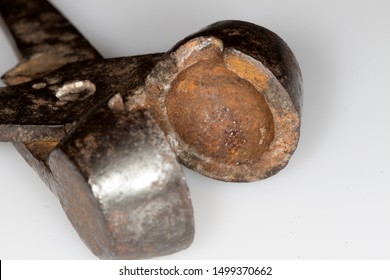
(106, 135)
(124, 164)
(38, 114)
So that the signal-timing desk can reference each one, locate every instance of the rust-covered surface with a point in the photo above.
(262, 45)
(158, 219)
(229, 100)
(33, 111)
(105, 134)
(44, 39)
(228, 119)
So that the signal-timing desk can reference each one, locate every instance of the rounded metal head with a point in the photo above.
(122, 188)
(225, 112)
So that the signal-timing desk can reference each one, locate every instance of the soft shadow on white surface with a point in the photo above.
(33, 223)
(330, 202)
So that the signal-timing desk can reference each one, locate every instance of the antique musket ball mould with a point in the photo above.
(107, 135)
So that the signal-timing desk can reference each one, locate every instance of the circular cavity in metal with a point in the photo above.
(219, 114)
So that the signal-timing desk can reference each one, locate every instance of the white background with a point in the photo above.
(281, 269)
(331, 202)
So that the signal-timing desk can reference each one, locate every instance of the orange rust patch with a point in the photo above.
(40, 64)
(247, 71)
(219, 114)
(199, 49)
(223, 110)
(41, 150)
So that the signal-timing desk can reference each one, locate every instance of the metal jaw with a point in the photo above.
(106, 135)
(114, 173)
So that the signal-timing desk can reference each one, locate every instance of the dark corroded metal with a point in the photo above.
(262, 45)
(33, 111)
(158, 219)
(229, 99)
(104, 134)
(44, 38)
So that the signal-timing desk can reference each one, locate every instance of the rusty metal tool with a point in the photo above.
(106, 134)
(125, 193)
